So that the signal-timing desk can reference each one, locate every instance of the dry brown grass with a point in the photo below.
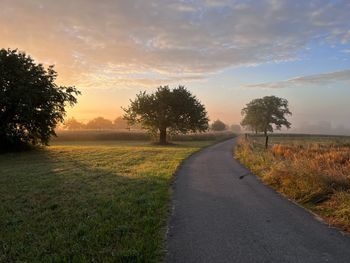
(316, 175)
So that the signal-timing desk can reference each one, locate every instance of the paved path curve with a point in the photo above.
(218, 217)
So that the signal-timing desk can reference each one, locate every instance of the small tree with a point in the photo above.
(31, 103)
(265, 114)
(167, 110)
(218, 126)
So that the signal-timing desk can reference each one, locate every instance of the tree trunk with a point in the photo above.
(162, 136)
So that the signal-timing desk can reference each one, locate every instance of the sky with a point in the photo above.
(227, 52)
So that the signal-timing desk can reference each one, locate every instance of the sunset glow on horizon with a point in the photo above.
(227, 52)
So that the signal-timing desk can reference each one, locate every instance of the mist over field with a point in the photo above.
(322, 127)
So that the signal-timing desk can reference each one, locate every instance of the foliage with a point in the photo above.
(166, 110)
(99, 123)
(31, 104)
(262, 115)
(87, 202)
(218, 126)
(73, 124)
(315, 175)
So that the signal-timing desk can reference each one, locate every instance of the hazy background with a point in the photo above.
(226, 52)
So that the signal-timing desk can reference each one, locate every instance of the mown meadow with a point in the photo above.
(94, 201)
(311, 170)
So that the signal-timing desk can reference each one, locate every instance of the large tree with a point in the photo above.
(265, 114)
(31, 103)
(167, 110)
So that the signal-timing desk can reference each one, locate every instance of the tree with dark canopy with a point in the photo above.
(31, 104)
(265, 114)
(166, 110)
(218, 126)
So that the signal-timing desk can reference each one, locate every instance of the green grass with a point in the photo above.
(87, 202)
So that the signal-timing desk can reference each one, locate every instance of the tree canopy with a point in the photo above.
(166, 110)
(265, 114)
(218, 125)
(31, 103)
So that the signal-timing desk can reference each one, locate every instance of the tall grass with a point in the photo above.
(314, 174)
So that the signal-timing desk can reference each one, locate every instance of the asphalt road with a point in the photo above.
(218, 217)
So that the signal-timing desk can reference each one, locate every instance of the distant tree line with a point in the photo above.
(98, 123)
(219, 125)
(119, 123)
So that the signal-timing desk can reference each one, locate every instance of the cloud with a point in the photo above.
(317, 80)
(110, 80)
(166, 37)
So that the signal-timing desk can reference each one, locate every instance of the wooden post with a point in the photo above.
(266, 141)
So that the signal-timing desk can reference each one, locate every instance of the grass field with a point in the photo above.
(87, 201)
(311, 170)
(301, 139)
(134, 135)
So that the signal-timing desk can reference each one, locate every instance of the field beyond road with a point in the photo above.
(85, 202)
(311, 170)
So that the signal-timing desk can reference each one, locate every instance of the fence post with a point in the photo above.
(266, 141)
